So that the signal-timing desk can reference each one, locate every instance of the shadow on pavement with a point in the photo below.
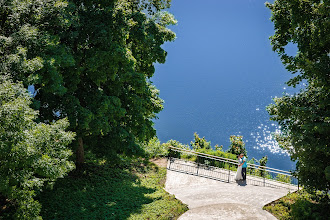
(241, 182)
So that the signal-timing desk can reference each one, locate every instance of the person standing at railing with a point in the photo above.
(244, 166)
(239, 169)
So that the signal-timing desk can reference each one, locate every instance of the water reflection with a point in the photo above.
(264, 140)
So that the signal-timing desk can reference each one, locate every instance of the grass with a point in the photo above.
(298, 205)
(99, 191)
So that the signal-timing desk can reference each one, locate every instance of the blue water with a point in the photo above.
(221, 112)
(219, 76)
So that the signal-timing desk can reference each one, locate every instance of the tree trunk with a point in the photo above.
(80, 155)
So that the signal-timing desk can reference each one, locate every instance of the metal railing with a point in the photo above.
(224, 169)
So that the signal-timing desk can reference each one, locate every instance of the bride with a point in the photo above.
(239, 169)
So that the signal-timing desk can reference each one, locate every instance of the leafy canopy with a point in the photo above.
(90, 61)
(31, 154)
(305, 116)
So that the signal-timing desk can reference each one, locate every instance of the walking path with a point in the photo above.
(212, 199)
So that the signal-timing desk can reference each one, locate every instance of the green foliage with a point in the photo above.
(218, 153)
(174, 143)
(298, 205)
(218, 148)
(252, 168)
(307, 210)
(200, 143)
(263, 162)
(103, 191)
(90, 61)
(31, 154)
(237, 145)
(216, 163)
(279, 211)
(304, 117)
(283, 178)
(252, 161)
(154, 148)
(305, 136)
(305, 24)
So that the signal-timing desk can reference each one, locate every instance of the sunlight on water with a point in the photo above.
(264, 140)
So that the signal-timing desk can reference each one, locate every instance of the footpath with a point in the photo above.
(210, 199)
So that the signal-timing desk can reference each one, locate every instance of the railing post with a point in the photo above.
(228, 172)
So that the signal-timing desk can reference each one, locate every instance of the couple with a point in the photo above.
(241, 170)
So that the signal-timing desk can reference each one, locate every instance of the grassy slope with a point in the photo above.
(102, 192)
(298, 205)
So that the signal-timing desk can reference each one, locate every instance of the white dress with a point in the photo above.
(239, 171)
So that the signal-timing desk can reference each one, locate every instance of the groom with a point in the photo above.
(244, 166)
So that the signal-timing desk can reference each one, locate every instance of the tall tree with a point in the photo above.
(92, 62)
(305, 116)
(31, 154)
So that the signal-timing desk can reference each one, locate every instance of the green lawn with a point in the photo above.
(104, 192)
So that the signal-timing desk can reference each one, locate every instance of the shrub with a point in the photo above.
(154, 148)
(216, 153)
(200, 143)
(176, 144)
(237, 145)
(307, 209)
(263, 162)
(283, 178)
(299, 205)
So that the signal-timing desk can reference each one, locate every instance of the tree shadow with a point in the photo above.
(95, 192)
(7, 208)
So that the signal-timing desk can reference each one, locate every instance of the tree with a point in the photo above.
(31, 154)
(200, 143)
(305, 116)
(91, 61)
(263, 162)
(237, 145)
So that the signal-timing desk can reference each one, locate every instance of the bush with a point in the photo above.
(154, 148)
(237, 145)
(31, 154)
(263, 162)
(299, 205)
(216, 153)
(283, 178)
(200, 143)
(305, 208)
(177, 144)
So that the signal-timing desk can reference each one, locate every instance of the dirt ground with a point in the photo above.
(161, 162)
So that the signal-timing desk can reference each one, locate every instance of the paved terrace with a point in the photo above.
(217, 198)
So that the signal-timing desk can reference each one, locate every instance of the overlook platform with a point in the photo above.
(212, 197)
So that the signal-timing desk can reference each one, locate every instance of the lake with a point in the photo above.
(220, 75)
